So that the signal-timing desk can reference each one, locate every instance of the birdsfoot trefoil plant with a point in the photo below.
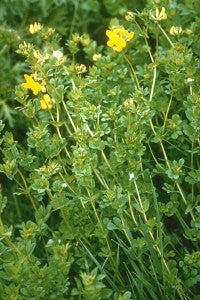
(106, 178)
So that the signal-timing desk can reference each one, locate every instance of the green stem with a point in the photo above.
(167, 112)
(146, 41)
(150, 232)
(103, 154)
(131, 210)
(140, 201)
(153, 84)
(102, 181)
(169, 167)
(26, 188)
(8, 240)
(133, 71)
(68, 115)
(192, 167)
(163, 31)
(58, 130)
(67, 184)
(61, 211)
(103, 231)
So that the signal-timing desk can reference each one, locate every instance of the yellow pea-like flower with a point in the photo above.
(46, 102)
(31, 84)
(34, 28)
(175, 30)
(160, 15)
(118, 38)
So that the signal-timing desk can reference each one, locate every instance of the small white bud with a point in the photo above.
(64, 185)
(58, 54)
(131, 176)
(190, 80)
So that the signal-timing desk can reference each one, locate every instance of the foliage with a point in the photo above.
(67, 16)
(100, 199)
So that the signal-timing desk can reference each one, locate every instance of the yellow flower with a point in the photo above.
(188, 31)
(118, 38)
(43, 87)
(34, 28)
(31, 84)
(81, 69)
(46, 102)
(129, 16)
(129, 103)
(160, 15)
(175, 30)
(96, 56)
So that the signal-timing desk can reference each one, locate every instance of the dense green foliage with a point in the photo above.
(99, 166)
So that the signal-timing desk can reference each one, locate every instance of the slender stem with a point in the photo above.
(68, 114)
(191, 92)
(103, 155)
(131, 210)
(125, 232)
(61, 211)
(68, 186)
(154, 158)
(13, 246)
(133, 71)
(146, 41)
(140, 201)
(156, 40)
(103, 183)
(150, 233)
(9, 241)
(153, 84)
(26, 187)
(58, 130)
(192, 167)
(60, 136)
(167, 112)
(169, 167)
(102, 229)
(106, 161)
(165, 34)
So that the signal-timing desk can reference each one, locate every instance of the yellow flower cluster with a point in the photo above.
(96, 56)
(129, 103)
(160, 15)
(118, 38)
(81, 69)
(31, 84)
(129, 16)
(34, 28)
(175, 30)
(46, 102)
